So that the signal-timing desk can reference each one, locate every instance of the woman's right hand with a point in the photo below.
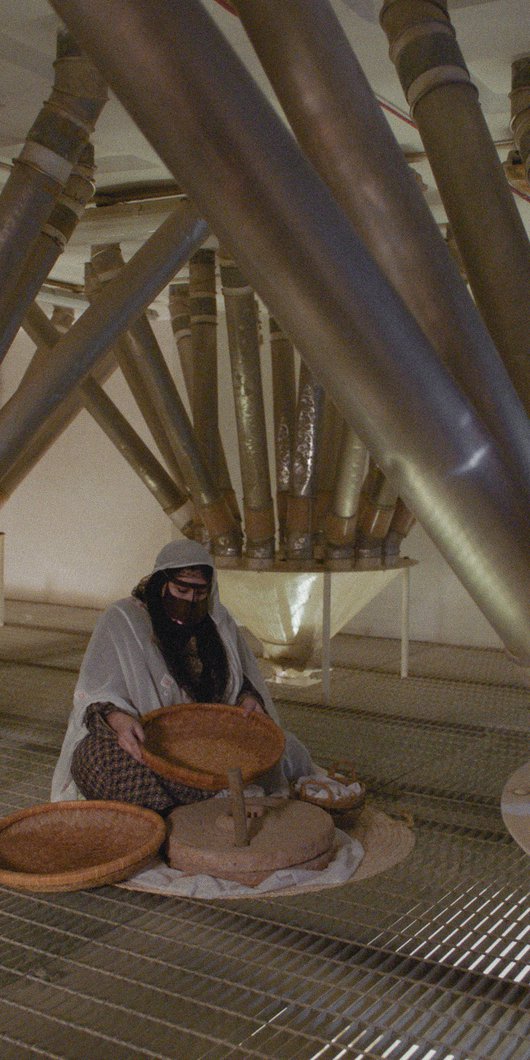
(129, 732)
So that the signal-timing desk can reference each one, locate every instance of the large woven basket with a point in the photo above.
(68, 846)
(197, 743)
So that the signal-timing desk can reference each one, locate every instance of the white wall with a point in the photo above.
(82, 528)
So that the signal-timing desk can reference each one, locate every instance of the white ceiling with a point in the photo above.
(491, 34)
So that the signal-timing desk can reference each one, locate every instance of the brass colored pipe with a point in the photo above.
(227, 146)
(44, 165)
(300, 530)
(243, 346)
(284, 411)
(203, 327)
(487, 226)
(326, 467)
(341, 520)
(520, 109)
(340, 126)
(179, 311)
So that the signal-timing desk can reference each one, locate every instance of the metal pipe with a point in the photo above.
(96, 331)
(332, 425)
(487, 226)
(267, 206)
(39, 328)
(284, 411)
(50, 242)
(173, 501)
(53, 145)
(163, 397)
(338, 122)
(243, 347)
(402, 522)
(520, 110)
(341, 520)
(110, 262)
(179, 311)
(203, 327)
(300, 530)
(376, 510)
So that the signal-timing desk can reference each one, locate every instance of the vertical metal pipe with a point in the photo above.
(203, 327)
(338, 122)
(232, 152)
(243, 346)
(300, 531)
(376, 510)
(163, 396)
(520, 109)
(50, 242)
(179, 311)
(402, 522)
(332, 424)
(43, 167)
(341, 520)
(284, 411)
(486, 225)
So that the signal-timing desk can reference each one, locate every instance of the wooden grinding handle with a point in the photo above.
(239, 813)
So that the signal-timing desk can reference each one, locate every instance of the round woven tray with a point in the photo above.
(197, 743)
(69, 846)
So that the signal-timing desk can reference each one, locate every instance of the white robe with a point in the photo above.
(123, 665)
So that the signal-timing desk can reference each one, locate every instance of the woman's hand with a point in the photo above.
(250, 704)
(129, 732)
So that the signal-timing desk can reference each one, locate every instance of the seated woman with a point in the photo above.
(172, 641)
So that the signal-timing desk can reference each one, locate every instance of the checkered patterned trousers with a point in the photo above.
(101, 769)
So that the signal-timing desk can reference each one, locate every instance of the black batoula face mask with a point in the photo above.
(184, 612)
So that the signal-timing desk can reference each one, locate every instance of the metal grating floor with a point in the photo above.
(427, 961)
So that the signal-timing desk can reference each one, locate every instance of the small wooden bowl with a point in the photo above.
(69, 846)
(197, 743)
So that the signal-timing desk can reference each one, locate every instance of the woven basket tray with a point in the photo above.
(68, 846)
(196, 743)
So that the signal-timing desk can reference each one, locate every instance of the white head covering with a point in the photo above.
(123, 664)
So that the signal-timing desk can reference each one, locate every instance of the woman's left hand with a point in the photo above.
(250, 705)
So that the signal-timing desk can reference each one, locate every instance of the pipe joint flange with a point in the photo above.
(45, 161)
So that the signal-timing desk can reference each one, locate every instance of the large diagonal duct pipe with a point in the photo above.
(243, 347)
(179, 311)
(338, 121)
(341, 520)
(284, 411)
(307, 441)
(162, 395)
(173, 502)
(43, 167)
(279, 221)
(520, 109)
(51, 241)
(486, 223)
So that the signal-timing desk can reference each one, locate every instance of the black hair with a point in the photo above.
(209, 685)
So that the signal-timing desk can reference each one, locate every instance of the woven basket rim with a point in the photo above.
(267, 734)
(96, 875)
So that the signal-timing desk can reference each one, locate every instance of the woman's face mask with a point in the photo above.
(185, 598)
